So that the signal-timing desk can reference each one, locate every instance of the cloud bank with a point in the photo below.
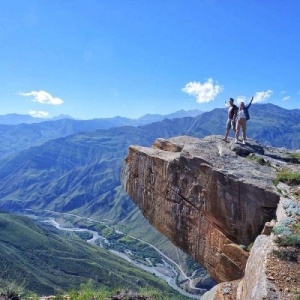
(262, 96)
(38, 114)
(204, 92)
(42, 97)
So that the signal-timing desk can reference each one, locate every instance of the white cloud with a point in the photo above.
(205, 92)
(43, 97)
(38, 114)
(262, 96)
(286, 98)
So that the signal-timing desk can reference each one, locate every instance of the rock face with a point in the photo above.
(207, 196)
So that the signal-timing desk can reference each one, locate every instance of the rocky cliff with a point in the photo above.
(212, 199)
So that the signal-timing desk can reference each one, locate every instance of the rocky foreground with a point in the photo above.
(216, 201)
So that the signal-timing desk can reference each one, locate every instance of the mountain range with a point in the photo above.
(18, 132)
(80, 173)
(15, 119)
(73, 166)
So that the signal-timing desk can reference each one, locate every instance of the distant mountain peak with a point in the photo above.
(15, 119)
(149, 118)
(61, 116)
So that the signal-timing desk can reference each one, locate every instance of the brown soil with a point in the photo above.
(284, 271)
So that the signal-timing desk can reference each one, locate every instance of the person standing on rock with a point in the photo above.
(242, 118)
(241, 121)
(232, 112)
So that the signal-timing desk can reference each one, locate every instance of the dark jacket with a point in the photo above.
(246, 110)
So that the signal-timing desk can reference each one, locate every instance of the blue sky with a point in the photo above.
(103, 58)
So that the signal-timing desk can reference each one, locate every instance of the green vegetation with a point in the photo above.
(10, 289)
(55, 157)
(50, 262)
(296, 228)
(138, 250)
(288, 177)
(84, 235)
(289, 240)
(89, 291)
(47, 177)
(288, 245)
(281, 229)
(295, 157)
(260, 160)
(121, 242)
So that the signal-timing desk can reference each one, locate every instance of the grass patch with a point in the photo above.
(87, 293)
(296, 157)
(260, 160)
(288, 177)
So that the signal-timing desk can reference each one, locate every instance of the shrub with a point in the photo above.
(281, 229)
(289, 240)
(9, 289)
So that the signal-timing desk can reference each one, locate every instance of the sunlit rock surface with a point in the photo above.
(207, 196)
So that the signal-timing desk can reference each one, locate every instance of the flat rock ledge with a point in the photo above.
(212, 199)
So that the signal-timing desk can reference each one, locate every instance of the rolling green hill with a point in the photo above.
(47, 262)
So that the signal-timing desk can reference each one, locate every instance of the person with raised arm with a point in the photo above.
(241, 121)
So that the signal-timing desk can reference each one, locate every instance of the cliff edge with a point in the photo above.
(212, 199)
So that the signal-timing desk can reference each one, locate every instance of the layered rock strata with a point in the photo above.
(207, 196)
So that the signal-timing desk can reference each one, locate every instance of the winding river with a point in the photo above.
(167, 272)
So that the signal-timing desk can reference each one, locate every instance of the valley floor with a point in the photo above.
(163, 267)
